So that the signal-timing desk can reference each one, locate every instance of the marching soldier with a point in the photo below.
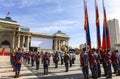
(93, 63)
(25, 57)
(28, 57)
(66, 61)
(116, 62)
(18, 63)
(98, 62)
(37, 60)
(84, 64)
(103, 61)
(45, 63)
(32, 58)
(56, 59)
(108, 64)
(62, 58)
(71, 58)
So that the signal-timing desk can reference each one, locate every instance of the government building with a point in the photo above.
(114, 33)
(13, 35)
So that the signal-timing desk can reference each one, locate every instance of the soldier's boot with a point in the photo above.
(57, 66)
(44, 71)
(18, 74)
(37, 67)
(85, 77)
(67, 69)
(15, 75)
(110, 75)
(118, 72)
(99, 75)
(47, 71)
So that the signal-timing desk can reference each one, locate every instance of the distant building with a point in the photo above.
(13, 35)
(114, 32)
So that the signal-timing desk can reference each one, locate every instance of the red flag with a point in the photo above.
(98, 28)
(86, 27)
(106, 36)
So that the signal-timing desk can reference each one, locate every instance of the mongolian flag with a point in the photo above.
(8, 14)
(98, 27)
(106, 36)
(86, 27)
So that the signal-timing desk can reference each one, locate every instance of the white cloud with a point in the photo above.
(64, 22)
(63, 25)
(113, 9)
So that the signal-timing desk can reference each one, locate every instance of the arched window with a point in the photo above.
(5, 43)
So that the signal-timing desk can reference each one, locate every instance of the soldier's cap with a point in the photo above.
(19, 49)
(84, 49)
(93, 49)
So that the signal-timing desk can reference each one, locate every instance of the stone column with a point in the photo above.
(59, 44)
(18, 40)
(55, 44)
(28, 41)
(13, 40)
(23, 42)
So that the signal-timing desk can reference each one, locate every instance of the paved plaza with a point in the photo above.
(29, 72)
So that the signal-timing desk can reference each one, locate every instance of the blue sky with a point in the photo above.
(49, 16)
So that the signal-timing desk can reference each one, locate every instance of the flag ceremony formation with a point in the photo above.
(106, 37)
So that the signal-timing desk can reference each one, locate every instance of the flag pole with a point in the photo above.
(104, 24)
(95, 21)
(84, 23)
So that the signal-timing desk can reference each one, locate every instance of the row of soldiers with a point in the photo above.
(65, 58)
(94, 58)
(18, 57)
(32, 57)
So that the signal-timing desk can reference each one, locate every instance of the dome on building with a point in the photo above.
(60, 34)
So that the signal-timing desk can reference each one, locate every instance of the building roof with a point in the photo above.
(60, 34)
(41, 34)
(8, 19)
(9, 22)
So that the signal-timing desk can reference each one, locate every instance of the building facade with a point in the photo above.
(13, 35)
(114, 32)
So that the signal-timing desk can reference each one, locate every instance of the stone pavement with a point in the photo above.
(7, 73)
(29, 72)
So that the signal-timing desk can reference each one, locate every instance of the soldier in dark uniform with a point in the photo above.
(103, 52)
(24, 57)
(28, 57)
(62, 58)
(71, 58)
(93, 63)
(18, 62)
(66, 61)
(84, 64)
(37, 57)
(108, 64)
(115, 62)
(56, 59)
(98, 62)
(118, 65)
(45, 63)
(32, 58)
